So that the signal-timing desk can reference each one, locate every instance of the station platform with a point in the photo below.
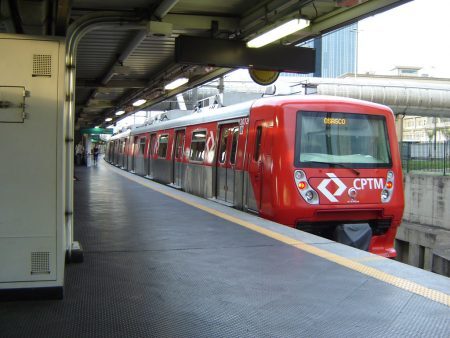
(162, 263)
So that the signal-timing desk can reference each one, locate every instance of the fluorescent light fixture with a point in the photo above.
(108, 119)
(120, 112)
(278, 33)
(139, 102)
(176, 83)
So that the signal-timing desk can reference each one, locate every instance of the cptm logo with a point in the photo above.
(323, 187)
(358, 184)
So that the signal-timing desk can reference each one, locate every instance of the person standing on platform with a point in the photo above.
(79, 149)
(96, 151)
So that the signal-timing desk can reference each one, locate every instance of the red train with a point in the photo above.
(310, 162)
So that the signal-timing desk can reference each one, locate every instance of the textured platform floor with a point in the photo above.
(155, 266)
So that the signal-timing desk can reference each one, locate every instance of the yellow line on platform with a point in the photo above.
(437, 296)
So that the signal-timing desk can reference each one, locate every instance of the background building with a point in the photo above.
(425, 129)
(336, 52)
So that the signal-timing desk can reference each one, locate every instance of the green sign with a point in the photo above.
(97, 131)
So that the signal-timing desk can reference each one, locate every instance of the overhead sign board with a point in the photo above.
(235, 54)
(97, 131)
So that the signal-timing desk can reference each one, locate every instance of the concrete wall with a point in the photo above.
(423, 239)
(427, 199)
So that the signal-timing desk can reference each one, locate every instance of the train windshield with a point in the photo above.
(341, 139)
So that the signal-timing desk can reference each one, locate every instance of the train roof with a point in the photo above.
(239, 110)
(314, 98)
(204, 116)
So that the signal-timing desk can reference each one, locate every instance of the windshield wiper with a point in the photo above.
(357, 172)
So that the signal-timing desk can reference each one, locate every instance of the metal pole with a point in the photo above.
(408, 156)
(435, 135)
(75, 32)
(445, 155)
(356, 52)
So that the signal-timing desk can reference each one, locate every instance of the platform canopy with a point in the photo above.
(125, 51)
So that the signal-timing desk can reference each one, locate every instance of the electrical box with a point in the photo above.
(32, 180)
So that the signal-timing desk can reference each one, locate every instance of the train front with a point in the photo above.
(347, 174)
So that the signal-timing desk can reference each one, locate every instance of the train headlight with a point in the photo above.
(305, 190)
(388, 189)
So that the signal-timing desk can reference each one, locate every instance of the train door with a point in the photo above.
(118, 150)
(256, 167)
(151, 153)
(177, 158)
(124, 153)
(133, 154)
(114, 152)
(139, 156)
(226, 162)
(145, 156)
(112, 146)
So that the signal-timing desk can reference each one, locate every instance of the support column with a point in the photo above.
(414, 255)
(428, 259)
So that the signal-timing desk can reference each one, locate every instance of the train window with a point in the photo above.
(142, 146)
(198, 144)
(223, 145)
(258, 142)
(356, 140)
(162, 148)
(235, 132)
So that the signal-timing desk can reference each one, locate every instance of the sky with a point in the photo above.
(413, 34)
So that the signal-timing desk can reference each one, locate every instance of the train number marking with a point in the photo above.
(323, 187)
(242, 122)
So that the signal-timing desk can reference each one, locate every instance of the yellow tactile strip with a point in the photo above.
(437, 296)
